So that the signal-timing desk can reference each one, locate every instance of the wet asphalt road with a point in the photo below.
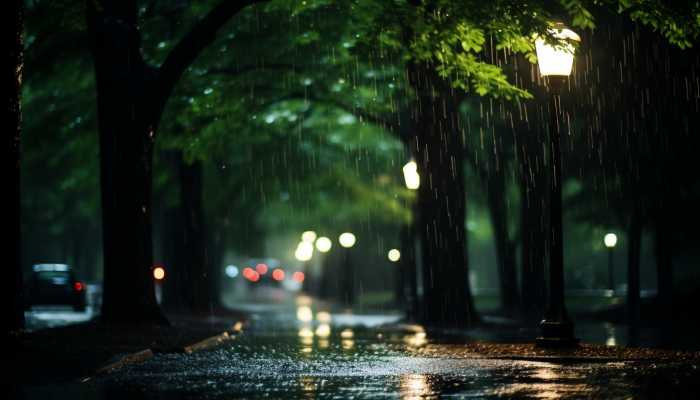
(294, 349)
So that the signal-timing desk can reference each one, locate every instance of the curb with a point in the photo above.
(208, 343)
(131, 358)
(143, 355)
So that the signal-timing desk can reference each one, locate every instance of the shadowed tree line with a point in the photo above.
(434, 56)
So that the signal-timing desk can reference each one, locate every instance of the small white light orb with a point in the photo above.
(394, 255)
(304, 251)
(610, 240)
(323, 244)
(231, 271)
(347, 240)
(308, 236)
(411, 176)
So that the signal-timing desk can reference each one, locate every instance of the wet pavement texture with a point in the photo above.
(297, 349)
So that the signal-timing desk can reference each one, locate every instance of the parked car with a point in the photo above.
(52, 284)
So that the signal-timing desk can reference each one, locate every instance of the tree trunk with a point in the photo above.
(664, 264)
(634, 249)
(131, 97)
(439, 148)
(505, 248)
(126, 145)
(533, 234)
(12, 299)
(199, 296)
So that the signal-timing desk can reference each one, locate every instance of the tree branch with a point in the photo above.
(242, 69)
(187, 50)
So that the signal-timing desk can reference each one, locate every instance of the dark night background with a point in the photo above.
(210, 139)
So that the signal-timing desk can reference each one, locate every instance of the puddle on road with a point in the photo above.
(312, 354)
(322, 361)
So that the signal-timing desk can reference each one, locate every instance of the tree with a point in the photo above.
(12, 300)
(131, 97)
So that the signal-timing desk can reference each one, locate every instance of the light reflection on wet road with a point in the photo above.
(298, 349)
(304, 353)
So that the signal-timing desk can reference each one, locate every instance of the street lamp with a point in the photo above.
(394, 255)
(308, 236)
(410, 175)
(408, 240)
(555, 62)
(304, 253)
(323, 244)
(610, 241)
(347, 240)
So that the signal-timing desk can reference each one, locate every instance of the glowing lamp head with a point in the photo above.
(556, 59)
(394, 255)
(347, 240)
(304, 251)
(159, 273)
(308, 236)
(410, 175)
(323, 244)
(610, 240)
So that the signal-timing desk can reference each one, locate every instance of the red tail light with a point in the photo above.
(78, 286)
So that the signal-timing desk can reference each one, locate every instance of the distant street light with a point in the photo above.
(555, 63)
(308, 236)
(346, 240)
(410, 175)
(304, 251)
(159, 273)
(408, 239)
(323, 244)
(610, 241)
(394, 255)
(158, 276)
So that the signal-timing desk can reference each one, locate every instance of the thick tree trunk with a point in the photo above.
(505, 248)
(126, 144)
(12, 299)
(533, 224)
(131, 97)
(441, 202)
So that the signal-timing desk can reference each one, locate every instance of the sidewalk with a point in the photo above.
(74, 352)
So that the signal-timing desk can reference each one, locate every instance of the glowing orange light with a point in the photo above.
(298, 276)
(261, 268)
(250, 274)
(278, 274)
(78, 286)
(159, 273)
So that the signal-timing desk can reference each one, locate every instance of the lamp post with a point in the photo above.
(610, 241)
(555, 62)
(408, 242)
(347, 241)
(304, 253)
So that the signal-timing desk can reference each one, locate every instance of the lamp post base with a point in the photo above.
(556, 334)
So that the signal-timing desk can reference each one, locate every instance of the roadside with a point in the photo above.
(74, 352)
